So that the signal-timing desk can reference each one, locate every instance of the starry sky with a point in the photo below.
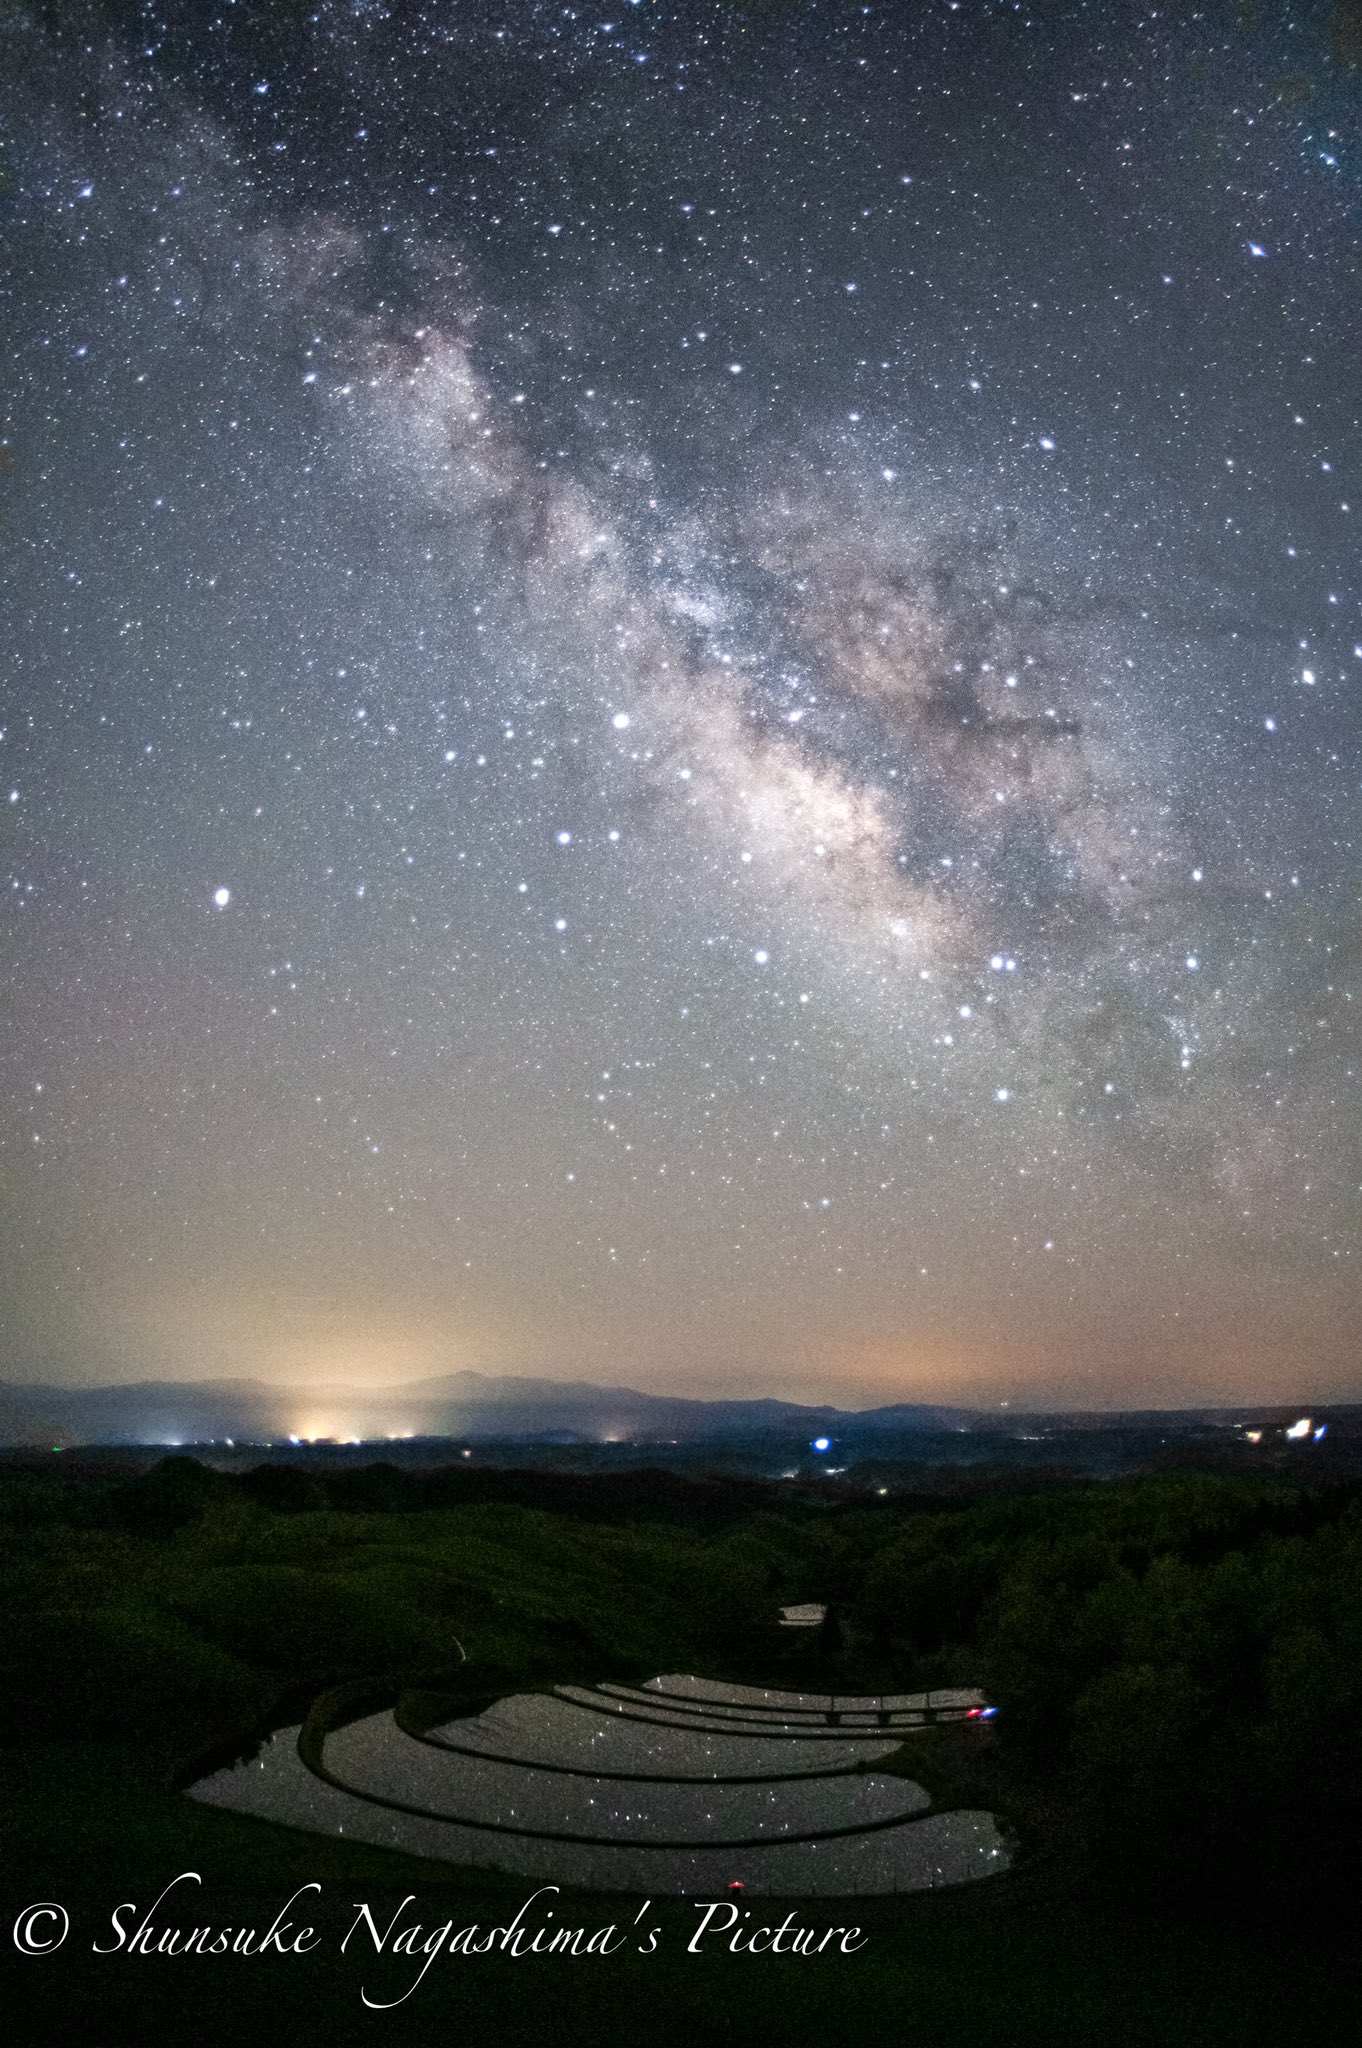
(682, 696)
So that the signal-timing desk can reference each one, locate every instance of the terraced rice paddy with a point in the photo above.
(681, 1785)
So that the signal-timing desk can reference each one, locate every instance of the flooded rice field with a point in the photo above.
(681, 1785)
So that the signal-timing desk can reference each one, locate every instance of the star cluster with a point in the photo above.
(682, 700)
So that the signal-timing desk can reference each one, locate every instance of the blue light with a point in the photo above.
(822, 1443)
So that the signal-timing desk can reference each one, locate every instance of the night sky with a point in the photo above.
(682, 694)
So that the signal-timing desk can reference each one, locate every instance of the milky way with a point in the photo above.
(683, 698)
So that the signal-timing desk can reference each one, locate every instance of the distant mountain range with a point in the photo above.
(467, 1405)
(474, 1407)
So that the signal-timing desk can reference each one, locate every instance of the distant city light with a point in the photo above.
(1298, 1430)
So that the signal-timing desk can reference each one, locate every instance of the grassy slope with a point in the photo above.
(938, 1972)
